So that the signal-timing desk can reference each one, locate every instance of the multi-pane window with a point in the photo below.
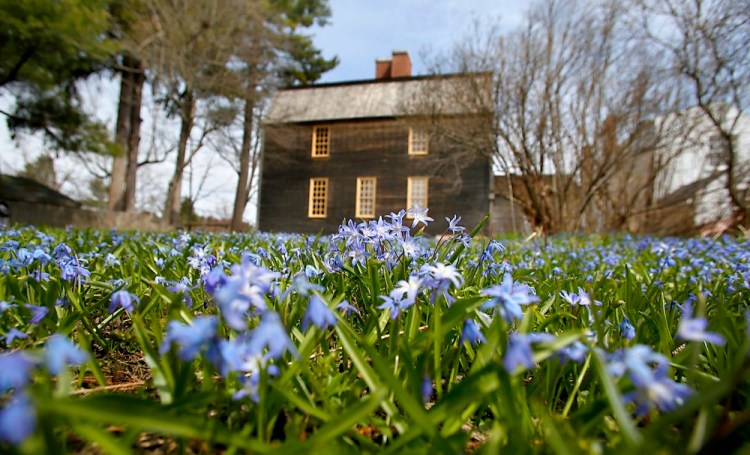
(416, 192)
(321, 142)
(366, 190)
(419, 142)
(318, 202)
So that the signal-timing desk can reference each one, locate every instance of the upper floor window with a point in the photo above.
(321, 142)
(417, 192)
(318, 202)
(366, 191)
(419, 142)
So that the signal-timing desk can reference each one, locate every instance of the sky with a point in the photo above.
(358, 33)
(361, 31)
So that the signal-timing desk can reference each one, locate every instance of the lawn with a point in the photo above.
(376, 339)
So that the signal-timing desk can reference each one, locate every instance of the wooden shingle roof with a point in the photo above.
(364, 99)
(22, 189)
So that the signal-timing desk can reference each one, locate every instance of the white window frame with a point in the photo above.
(360, 213)
(409, 186)
(417, 136)
(315, 184)
(321, 144)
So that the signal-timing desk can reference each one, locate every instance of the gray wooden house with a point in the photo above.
(362, 149)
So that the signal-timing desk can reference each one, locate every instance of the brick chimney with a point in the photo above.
(401, 64)
(398, 66)
(382, 69)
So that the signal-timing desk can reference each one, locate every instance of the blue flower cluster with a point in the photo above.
(241, 296)
(648, 371)
(18, 417)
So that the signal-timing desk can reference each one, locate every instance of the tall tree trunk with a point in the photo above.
(117, 182)
(122, 127)
(134, 136)
(244, 182)
(174, 191)
(127, 135)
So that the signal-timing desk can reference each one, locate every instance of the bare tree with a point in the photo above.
(566, 102)
(707, 42)
(190, 46)
(122, 187)
(240, 147)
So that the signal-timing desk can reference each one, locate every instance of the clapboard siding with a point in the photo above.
(364, 148)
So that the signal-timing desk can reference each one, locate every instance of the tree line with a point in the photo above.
(209, 64)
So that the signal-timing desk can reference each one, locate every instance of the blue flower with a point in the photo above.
(41, 256)
(40, 276)
(445, 275)
(574, 352)
(464, 239)
(519, 354)
(641, 363)
(508, 298)
(627, 330)
(62, 251)
(694, 329)
(318, 314)
(182, 287)
(311, 272)
(5, 306)
(570, 297)
(72, 270)
(394, 303)
(270, 334)
(17, 420)
(250, 382)
(246, 288)
(585, 300)
(240, 355)
(358, 254)
(303, 286)
(14, 334)
(409, 245)
(24, 257)
(234, 305)
(397, 222)
(420, 216)
(124, 299)
(453, 224)
(472, 333)
(426, 388)
(347, 308)
(662, 393)
(214, 280)
(111, 260)
(15, 370)
(191, 338)
(59, 352)
(38, 313)
(408, 290)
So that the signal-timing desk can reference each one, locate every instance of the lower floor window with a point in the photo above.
(416, 192)
(366, 190)
(318, 201)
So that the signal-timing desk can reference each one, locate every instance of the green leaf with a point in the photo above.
(148, 416)
(106, 441)
(628, 430)
(347, 420)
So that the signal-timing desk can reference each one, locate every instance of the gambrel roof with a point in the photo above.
(367, 99)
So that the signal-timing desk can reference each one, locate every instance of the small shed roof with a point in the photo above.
(22, 189)
(366, 99)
